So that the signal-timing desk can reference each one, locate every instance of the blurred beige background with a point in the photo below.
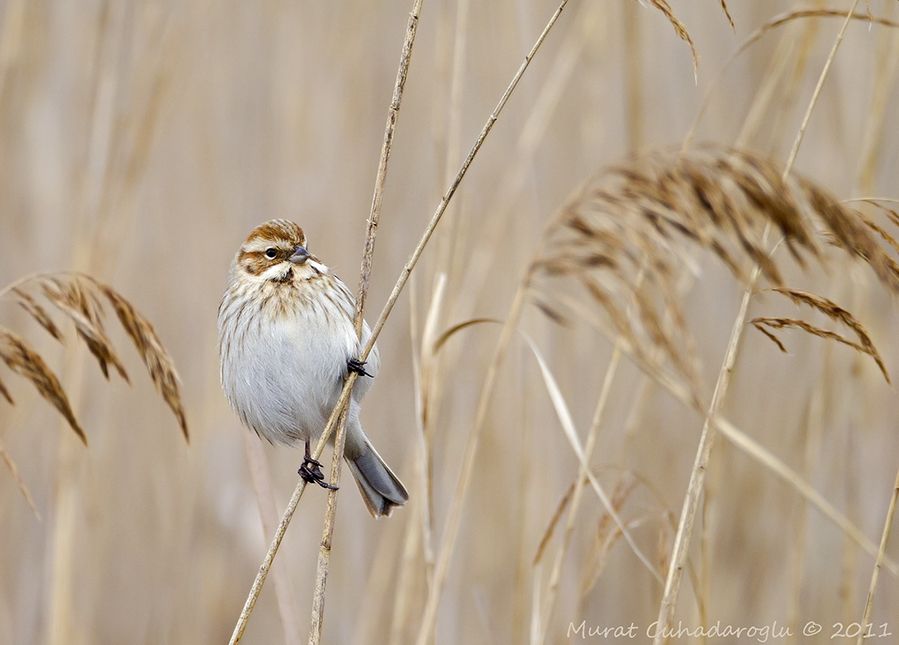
(141, 141)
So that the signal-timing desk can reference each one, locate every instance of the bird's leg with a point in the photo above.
(311, 471)
(357, 366)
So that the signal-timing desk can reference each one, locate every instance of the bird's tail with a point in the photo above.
(381, 489)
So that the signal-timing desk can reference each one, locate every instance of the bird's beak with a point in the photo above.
(300, 255)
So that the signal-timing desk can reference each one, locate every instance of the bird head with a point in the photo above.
(276, 250)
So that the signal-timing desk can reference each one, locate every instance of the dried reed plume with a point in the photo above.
(24, 361)
(80, 298)
(832, 311)
(681, 30)
(637, 217)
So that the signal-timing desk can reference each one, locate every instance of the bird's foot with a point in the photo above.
(357, 366)
(311, 472)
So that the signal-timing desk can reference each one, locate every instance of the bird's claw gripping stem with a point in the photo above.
(311, 472)
(357, 366)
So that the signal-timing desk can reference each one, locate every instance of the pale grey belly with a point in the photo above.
(285, 383)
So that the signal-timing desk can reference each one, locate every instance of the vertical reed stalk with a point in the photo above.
(707, 436)
(371, 232)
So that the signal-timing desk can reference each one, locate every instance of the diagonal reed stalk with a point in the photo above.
(707, 436)
(371, 232)
(398, 287)
(878, 562)
(262, 486)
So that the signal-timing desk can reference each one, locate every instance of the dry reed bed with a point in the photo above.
(629, 238)
(646, 219)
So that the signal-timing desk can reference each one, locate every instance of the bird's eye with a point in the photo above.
(271, 253)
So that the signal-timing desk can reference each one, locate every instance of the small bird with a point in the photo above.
(286, 342)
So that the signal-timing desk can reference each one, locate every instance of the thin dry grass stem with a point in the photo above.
(417, 539)
(11, 38)
(429, 392)
(832, 311)
(633, 97)
(383, 585)
(759, 453)
(755, 36)
(453, 228)
(667, 607)
(783, 78)
(398, 287)
(874, 140)
(874, 200)
(527, 483)
(607, 533)
(679, 551)
(534, 627)
(587, 19)
(681, 30)
(406, 586)
(509, 327)
(406, 594)
(849, 556)
(457, 180)
(582, 478)
(324, 555)
(454, 515)
(122, 134)
(727, 14)
(617, 500)
(6, 394)
(808, 433)
(586, 25)
(813, 101)
(262, 487)
(566, 423)
(550, 529)
(878, 563)
(20, 483)
(286, 517)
